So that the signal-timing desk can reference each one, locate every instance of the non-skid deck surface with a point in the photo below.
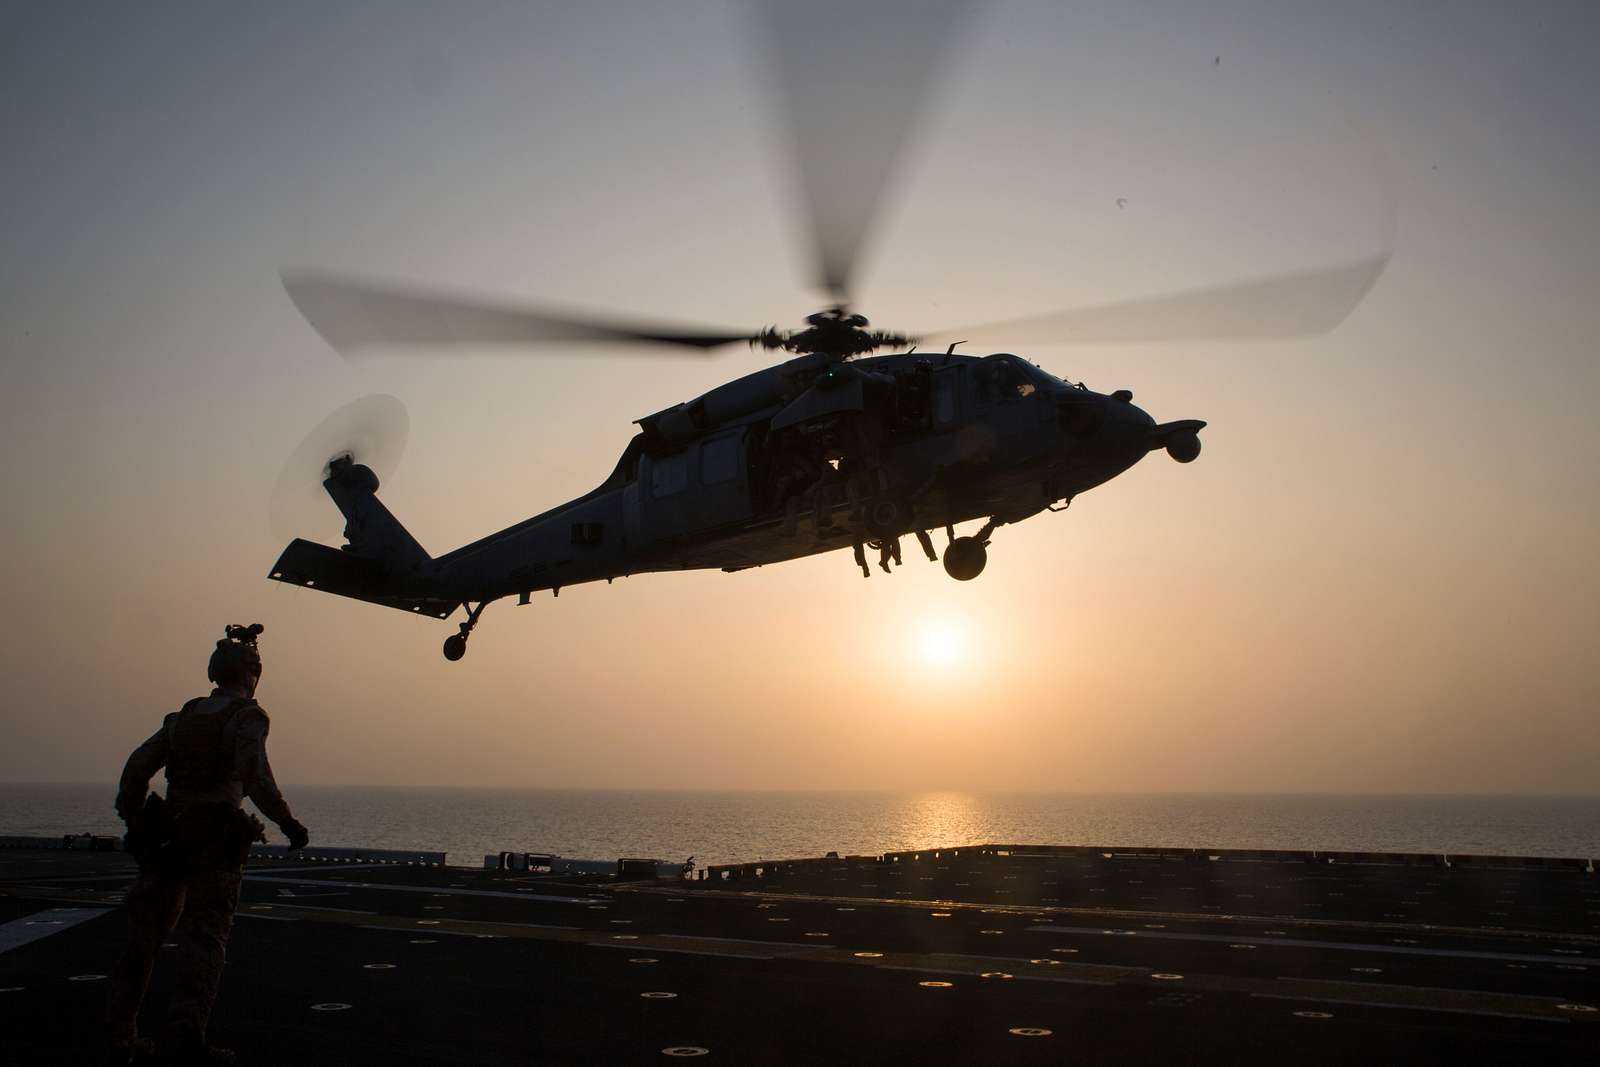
(954, 957)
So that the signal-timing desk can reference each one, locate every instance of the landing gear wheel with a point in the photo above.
(964, 559)
(886, 517)
(455, 646)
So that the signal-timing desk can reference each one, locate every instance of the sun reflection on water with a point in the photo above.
(936, 819)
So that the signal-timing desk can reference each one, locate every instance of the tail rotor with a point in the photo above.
(370, 431)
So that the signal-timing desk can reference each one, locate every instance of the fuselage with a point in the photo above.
(999, 439)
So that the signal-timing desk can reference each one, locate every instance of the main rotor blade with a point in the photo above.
(352, 316)
(852, 79)
(1303, 304)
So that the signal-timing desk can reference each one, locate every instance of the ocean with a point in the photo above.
(725, 827)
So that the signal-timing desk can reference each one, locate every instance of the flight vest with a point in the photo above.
(200, 746)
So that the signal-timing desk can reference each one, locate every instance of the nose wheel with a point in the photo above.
(964, 560)
(455, 646)
(965, 557)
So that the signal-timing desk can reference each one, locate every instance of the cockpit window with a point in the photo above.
(1002, 378)
(1039, 376)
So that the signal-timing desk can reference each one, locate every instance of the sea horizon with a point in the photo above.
(287, 786)
(722, 825)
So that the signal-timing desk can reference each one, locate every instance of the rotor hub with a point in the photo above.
(835, 332)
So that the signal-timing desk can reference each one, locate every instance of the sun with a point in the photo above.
(941, 643)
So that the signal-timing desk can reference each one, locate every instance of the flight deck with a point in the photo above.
(980, 954)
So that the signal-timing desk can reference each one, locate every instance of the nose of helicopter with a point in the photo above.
(1127, 427)
(1105, 434)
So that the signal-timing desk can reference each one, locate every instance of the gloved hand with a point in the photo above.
(298, 836)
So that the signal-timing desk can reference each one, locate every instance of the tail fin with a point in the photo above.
(370, 528)
(381, 564)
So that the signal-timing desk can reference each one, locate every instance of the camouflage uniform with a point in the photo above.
(195, 885)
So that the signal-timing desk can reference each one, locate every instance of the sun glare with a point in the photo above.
(939, 643)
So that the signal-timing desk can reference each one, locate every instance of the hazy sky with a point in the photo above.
(1382, 574)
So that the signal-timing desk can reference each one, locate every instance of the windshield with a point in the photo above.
(1039, 376)
(1033, 374)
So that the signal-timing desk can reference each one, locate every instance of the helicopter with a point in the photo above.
(836, 447)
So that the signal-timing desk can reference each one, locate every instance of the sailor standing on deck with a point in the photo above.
(191, 848)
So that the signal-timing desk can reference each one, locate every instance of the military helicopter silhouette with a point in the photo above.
(835, 447)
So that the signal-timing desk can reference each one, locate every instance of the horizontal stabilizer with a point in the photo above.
(314, 566)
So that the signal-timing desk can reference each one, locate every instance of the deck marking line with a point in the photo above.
(1128, 967)
(1292, 978)
(686, 951)
(429, 889)
(1064, 981)
(934, 968)
(41, 924)
(322, 907)
(798, 946)
(1124, 913)
(1308, 999)
(1293, 942)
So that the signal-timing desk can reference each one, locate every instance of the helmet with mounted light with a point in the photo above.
(236, 660)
